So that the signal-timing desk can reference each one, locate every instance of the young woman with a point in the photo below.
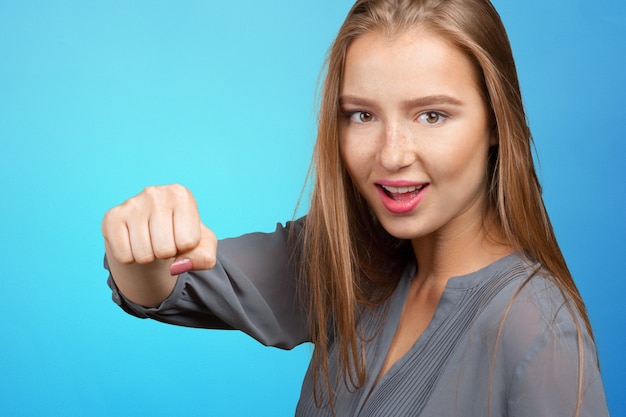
(426, 271)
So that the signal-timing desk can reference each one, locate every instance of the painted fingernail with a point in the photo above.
(180, 266)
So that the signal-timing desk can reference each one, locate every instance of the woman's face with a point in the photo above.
(415, 134)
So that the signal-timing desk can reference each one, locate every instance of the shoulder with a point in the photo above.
(539, 348)
(532, 315)
(525, 292)
(536, 300)
(527, 305)
(545, 351)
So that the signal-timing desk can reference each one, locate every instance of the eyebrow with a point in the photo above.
(415, 102)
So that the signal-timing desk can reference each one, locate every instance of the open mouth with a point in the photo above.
(402, 193)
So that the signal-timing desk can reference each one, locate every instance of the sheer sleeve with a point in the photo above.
(548, 379)
(252, 288)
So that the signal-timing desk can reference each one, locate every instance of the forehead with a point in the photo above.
(415, 62)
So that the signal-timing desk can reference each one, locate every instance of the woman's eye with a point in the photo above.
(431, 117)
(361, 117)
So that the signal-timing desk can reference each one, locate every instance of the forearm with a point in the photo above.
(251, 288)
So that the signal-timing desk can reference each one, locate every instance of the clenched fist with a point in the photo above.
(153, 235)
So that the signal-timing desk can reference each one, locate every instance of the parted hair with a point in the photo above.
(350, 262)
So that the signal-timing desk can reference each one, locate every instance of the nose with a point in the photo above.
(397, 150)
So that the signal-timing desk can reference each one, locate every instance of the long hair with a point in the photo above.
(350, 261)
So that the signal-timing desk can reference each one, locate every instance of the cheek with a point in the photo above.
(465, 163)
(354, 158)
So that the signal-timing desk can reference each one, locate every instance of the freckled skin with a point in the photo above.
(414, 115)
(394, 131)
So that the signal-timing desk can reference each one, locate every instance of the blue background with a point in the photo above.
(101, 98)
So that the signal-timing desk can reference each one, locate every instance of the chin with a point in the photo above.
(400, 231)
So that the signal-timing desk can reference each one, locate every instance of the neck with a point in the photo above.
(450, 253)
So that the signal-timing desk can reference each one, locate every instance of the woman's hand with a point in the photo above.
(156, 234)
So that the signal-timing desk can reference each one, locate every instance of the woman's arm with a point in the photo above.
(553, 368)
(165, 265)
(151, 238)
(550, 380)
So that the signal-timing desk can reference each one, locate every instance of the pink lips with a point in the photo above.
(401, 202)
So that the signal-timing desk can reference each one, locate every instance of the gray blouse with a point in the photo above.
(470, 361)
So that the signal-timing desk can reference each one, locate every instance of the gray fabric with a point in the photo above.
(454, 368)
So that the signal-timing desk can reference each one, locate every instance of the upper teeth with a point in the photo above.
(402, 190)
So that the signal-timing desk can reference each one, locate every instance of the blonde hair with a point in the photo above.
(350, 261)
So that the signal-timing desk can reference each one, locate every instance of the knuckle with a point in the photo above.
(165, 252)
(207, 261)
(187, 243)
(130, 207)
(144, 258)
(124, 258)
(111, 217)
(152, 193)
(165, 195)
(178, 189)
(151, 190)
(181, 193)
(121, 256)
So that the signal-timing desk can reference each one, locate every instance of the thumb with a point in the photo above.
(202, 257)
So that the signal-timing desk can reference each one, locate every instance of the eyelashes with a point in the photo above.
(428, 117)
(432, 117)
(359, 116)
